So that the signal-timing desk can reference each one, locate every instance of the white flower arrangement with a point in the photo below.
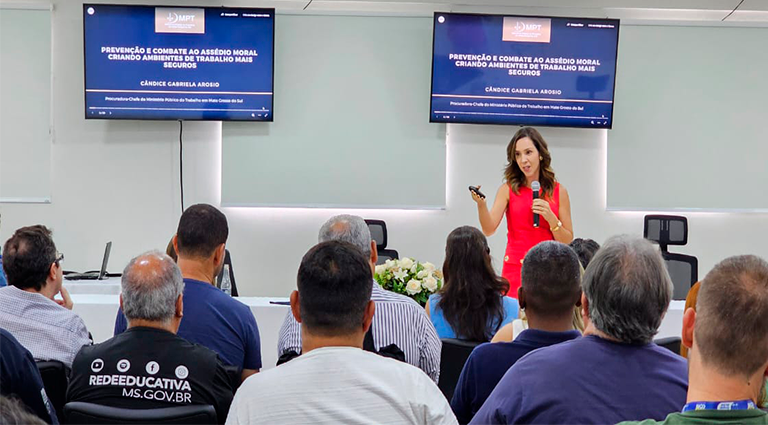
(409, 277)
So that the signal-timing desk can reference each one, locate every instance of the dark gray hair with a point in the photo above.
(151, 284)
(628, 289)
(551, 278)
(347, 228)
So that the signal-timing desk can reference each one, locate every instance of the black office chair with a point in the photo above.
(673, 230)
(55, 380)
(671, 343)
(227, 261)
(235, 374)
(378, 230)
(76, 412)
(454, 354)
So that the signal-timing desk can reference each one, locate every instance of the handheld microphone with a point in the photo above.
(535, 186)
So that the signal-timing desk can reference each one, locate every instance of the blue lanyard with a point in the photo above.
(719, 405)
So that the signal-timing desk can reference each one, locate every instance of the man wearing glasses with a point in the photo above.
(44, 325)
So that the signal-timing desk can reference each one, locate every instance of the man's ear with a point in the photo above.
(120, 301)
(374, 253)
(689, 321)
(370, 309)
(584, 308)
(219, 254)
(521, 297)
(52, 272)
(180, 306)
(295, 310)
(578, 299)
(175, 242)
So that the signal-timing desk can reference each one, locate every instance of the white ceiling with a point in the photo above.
(694, 12)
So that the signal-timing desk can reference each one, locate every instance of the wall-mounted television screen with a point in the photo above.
(178, 63)
(523, 70)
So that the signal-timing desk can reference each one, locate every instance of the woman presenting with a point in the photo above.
(528, 161)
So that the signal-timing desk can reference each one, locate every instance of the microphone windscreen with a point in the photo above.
(535, 186)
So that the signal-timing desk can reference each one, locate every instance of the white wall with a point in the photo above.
(118, 180)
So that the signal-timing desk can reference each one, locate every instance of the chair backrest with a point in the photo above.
(666, 230)
(671, 343)
(55, 380)
(235, 374)
(452, 358)
(227, 261)
(76, 412)
(684, 272)
(387, 254)
(378, 229)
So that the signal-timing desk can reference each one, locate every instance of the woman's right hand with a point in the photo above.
(477, 198)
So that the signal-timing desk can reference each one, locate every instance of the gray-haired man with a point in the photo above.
(398, 320)
(149, 366)
(614, 372)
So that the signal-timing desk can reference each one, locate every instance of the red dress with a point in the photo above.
(521, 235)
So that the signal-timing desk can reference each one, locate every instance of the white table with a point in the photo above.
(99, 311)
(108, 286)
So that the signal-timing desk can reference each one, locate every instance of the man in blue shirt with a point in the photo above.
(550, 289)
(614, 372)
(211, 317)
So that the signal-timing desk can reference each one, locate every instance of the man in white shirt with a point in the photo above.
(334, 381)
(45, 326)
(398, 320)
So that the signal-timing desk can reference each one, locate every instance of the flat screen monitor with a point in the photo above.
(178, 63)
(523, 70)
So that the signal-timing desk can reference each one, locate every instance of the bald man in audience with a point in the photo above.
(614, 372)
(727, 336)
(149, 366)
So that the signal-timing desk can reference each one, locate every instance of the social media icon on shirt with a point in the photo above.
(97, 365)
(152, 367)
(182, 372)
(123, 365)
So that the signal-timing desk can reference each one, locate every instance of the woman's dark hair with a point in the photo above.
(471, 299)
(514, 176)
(585, 249)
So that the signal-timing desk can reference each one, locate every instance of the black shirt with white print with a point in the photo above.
(145, 368)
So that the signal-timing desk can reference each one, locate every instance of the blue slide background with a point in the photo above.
(482, 34)
(128, 26)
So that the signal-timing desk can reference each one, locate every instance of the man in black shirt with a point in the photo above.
(149, 366)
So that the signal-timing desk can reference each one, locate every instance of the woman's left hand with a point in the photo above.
(543, 208)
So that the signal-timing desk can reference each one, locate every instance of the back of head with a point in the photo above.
(27, 257)
(585, 249)
(471, 296)
(347, 228)
(334, 284)
(551, 279)
(151, 284)
(202, 228)
(731, 327)
(628, 289)
(14, 412)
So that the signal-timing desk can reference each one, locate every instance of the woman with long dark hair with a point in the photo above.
(471, 305)
(528, 161)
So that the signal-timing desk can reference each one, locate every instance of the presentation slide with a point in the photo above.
(178, 63)
(523, 70)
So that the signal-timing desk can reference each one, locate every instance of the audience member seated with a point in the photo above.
(211, 317)
(728, 355)
(20, 378)
(471, 305)
(335, 381)
(585, 249)
(550, 288)
(13, 412)
(398, 320)
(149, 366)
(614, 372)
(690, 302)
(45, 326)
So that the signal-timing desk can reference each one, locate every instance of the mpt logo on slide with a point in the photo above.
(179, 20)
(527, 30)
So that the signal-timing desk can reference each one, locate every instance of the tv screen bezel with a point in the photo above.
(594, 127)
(85, 72)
